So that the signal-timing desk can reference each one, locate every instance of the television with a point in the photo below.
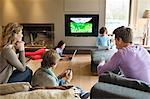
(81, 24)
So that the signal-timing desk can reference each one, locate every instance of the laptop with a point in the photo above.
(71, 58)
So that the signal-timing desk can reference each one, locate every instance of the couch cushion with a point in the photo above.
(9, 88)
(112, 78)
(43, 94)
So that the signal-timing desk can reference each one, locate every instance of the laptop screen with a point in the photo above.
(73, 55)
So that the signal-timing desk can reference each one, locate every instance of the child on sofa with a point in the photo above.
(45, 76)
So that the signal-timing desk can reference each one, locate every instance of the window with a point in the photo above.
(117, 14)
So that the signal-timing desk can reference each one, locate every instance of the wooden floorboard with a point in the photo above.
(82, 75)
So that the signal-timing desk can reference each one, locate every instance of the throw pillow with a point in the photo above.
(9, 88)
(112, 78)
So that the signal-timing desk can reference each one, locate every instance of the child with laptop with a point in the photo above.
(60, 48)
(38, 53)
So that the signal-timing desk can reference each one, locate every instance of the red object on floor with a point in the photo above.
(35, 55)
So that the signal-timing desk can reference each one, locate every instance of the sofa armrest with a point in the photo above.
(103, 90)
(97, 55)
(43, 94)
(109, 77)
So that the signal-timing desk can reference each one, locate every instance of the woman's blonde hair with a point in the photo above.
(8, 33)
(50, 58)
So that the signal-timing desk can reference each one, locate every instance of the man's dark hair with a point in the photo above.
(124, 33)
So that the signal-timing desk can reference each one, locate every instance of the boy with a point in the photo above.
(45, 77)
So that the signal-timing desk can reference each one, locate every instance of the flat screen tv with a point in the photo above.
(81, 24)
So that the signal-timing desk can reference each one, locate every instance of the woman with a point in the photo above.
(12, 56)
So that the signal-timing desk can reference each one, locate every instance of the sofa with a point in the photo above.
(99, 54)
(22, 90)
(113, 86)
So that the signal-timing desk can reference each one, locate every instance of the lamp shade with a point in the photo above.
(146, 14)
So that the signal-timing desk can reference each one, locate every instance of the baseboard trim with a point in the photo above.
(81, 49)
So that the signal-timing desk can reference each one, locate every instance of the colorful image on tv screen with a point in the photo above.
(81, 25)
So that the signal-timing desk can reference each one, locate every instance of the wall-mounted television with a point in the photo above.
(81, 24)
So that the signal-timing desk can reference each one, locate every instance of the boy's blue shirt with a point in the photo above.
(103, 41)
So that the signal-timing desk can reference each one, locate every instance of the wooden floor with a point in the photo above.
(82, 75)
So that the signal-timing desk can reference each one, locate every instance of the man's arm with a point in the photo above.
(114, 62)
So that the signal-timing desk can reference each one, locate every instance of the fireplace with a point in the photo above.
(37, 35)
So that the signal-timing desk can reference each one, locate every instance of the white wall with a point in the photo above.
(34, 11)
(52, 11)
(140, 22)
(1, 9)
(0, 34)
(84, 7)
(1, 4)
(29, 11)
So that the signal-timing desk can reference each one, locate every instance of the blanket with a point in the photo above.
(43, 94)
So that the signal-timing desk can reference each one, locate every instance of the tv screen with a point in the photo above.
(81, 25)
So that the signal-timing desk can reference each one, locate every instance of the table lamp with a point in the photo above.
(146, 35)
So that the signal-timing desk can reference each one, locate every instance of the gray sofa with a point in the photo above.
(113, 86)
(98, 54)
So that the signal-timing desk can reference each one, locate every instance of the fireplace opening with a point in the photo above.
(38, 35)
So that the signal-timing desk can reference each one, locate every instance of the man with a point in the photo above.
(133, 60)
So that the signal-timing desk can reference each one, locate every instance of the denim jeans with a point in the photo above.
(19, 76)
(62, 82)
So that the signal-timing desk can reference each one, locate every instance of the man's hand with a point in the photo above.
(102, 60)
